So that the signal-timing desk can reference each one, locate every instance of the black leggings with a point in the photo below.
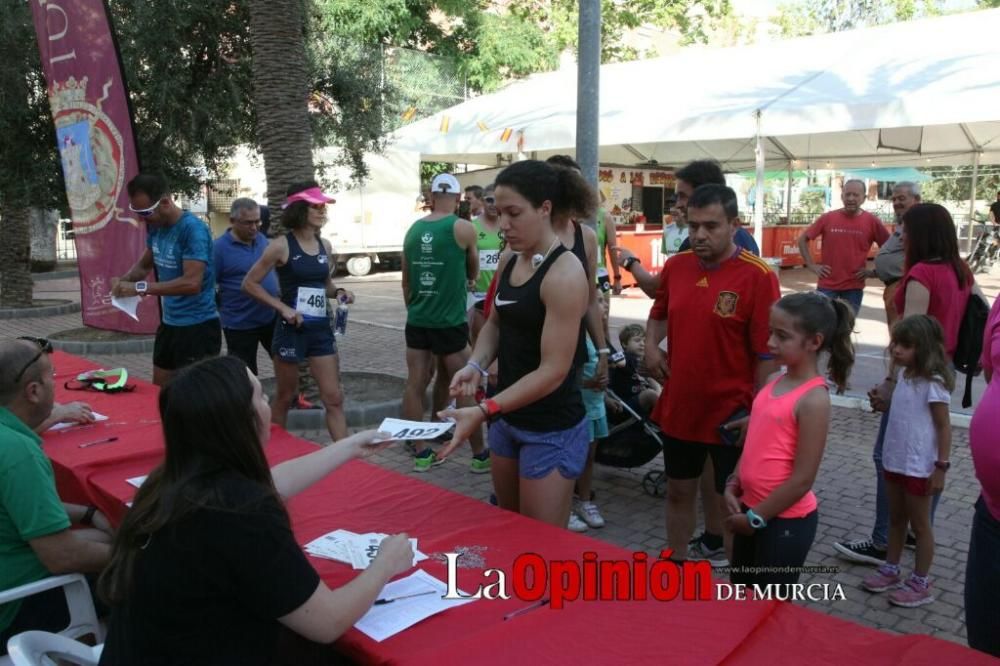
(784, 543)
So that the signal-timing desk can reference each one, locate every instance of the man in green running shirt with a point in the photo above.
(439, 259)
(488, 242)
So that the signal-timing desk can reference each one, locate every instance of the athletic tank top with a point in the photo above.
(580, 249)
(436, 271)
(522, 316)
(488, 248)
(771, 444)
(303, 280)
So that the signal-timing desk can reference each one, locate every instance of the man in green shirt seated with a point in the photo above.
(35, 536)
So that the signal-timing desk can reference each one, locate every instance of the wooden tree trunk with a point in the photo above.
(15, 259)
(281, 87)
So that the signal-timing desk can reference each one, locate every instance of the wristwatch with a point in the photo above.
(141, 287)
(627, 264)
(943, 465)
(755, 521)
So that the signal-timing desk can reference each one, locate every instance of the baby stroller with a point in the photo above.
(632, 441)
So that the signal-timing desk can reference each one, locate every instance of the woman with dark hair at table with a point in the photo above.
(538, 435)
(205, 568)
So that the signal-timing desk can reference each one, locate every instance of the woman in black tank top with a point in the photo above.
(538, 428)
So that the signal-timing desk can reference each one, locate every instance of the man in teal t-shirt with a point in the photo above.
(35, 539)
(179, 246)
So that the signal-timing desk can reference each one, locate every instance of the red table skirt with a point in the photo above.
(365, 498)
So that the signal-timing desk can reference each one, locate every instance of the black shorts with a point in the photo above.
(439, 341)
(686, 460)
(179, 346)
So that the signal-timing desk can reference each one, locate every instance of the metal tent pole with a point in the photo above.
(758, 206)
(972, 198)
(588, 112)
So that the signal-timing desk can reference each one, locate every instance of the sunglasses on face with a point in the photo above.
(144, 212)
(490, 201)
(320, 206)
(44, 347)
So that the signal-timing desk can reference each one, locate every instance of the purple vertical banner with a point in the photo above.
(93, 122)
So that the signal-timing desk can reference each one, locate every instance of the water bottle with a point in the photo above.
(340, 320)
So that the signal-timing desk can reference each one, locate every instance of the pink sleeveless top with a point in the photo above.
(769, 452)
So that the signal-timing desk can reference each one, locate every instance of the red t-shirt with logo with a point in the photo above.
(846, 244)
(717, 327)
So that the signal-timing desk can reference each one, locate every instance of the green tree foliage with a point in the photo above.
(811, 17)
(188, 67)
(955, 184)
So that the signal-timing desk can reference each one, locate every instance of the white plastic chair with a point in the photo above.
(40, 648)
(82, 616)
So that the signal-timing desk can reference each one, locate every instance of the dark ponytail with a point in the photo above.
(814, 314)
(841, 345)
(570, 194)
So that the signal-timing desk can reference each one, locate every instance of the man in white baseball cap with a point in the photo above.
(445, 183)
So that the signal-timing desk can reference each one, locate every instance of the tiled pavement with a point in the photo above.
(845, 485)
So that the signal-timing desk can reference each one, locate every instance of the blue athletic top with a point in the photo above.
(186, 240)
(303, 270)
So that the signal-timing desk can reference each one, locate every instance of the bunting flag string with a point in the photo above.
(505, 136)
(445, 124)
(409, 114)
(483, 127)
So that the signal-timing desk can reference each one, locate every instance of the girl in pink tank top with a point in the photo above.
(771, 506)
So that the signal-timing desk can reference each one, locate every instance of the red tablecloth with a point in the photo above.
(366, 498)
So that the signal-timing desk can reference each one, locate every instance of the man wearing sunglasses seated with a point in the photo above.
(35, 536)
(179, 246)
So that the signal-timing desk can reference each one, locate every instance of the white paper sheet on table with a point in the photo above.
(63, 426)
(127, 304)
(404, 430)
(136, 481)
(358, 550)
(381, 622)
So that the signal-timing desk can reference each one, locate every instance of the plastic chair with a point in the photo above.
(82, 616)
(40, 648)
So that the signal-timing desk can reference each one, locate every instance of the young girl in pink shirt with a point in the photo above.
(772, 510)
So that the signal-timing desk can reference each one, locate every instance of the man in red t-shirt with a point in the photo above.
(847, 235)
(713, 306)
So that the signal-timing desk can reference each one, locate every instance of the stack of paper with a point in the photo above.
(358, 550)
(63, 426)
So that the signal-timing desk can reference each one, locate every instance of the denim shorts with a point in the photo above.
(295, 344)
(538, 453)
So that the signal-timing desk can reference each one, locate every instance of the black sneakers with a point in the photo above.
(862, 550)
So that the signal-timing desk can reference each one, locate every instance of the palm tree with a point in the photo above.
(281, 90)
(15, 259)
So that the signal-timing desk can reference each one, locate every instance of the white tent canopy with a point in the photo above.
(921, 93)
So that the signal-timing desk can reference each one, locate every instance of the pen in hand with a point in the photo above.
(382, 602)
(106, 440)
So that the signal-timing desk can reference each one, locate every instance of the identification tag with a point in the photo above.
(488, 260)
(403, 430)
(311, 302)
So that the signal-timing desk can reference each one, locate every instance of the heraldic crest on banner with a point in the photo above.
(90, 146)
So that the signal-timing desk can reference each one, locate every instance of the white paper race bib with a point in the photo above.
(403, 430)
(311, 302)
(488, 260)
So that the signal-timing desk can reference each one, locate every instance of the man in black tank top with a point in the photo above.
(539, 436)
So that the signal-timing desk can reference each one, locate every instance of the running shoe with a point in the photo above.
(715, 556)
(423, 461)
(480, 463)
(302, 403)
(911, 594)
(885, 578)
(696, 539)
(588, 513)
(862, 551)
(575, 524)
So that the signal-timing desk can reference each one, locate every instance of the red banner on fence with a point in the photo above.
(94, 133)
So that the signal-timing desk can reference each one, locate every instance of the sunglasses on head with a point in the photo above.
(44, 347)
(144, 212)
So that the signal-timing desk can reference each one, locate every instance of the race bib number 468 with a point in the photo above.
(311, 302)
